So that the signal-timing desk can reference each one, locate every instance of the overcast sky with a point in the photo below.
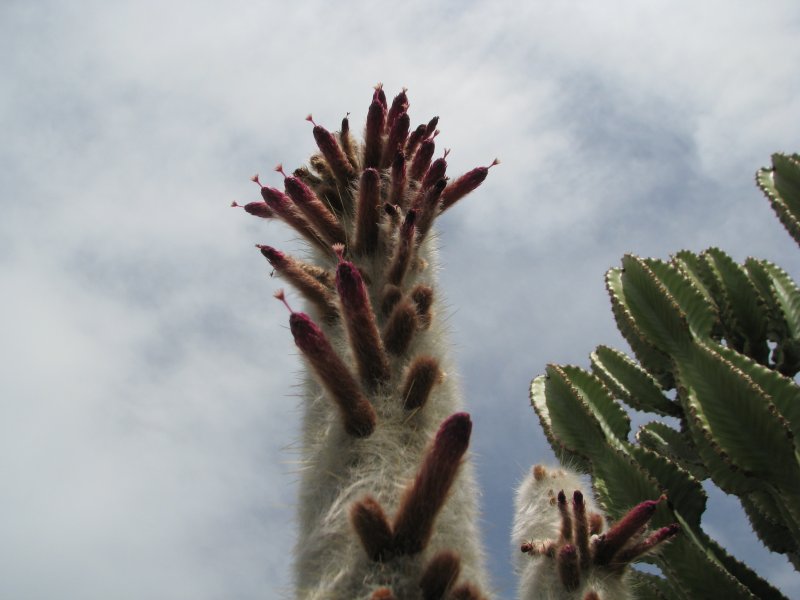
(147, 408)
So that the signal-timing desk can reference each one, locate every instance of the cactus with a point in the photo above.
(725, 337)
(387, 501)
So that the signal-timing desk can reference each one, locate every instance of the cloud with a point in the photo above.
(148, 405)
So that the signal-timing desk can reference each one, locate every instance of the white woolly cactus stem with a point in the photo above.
(387, 509)
(563, 551)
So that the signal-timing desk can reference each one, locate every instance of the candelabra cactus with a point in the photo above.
(726, 338)
(387, 501)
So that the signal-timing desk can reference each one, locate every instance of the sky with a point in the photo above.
(148, 405)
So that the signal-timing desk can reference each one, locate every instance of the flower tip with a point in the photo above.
(235, 204)
(310, 119)
(280, 295)
(255, 179)
(338, 249)
(279, 169)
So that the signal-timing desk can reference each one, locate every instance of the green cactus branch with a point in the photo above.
(724, 338)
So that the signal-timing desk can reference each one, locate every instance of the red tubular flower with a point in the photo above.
(367, 212)
(365, 340)
(398, 193)
(333, 153)
(422, 295)
(396, 140)
(623, 531)
(312, 289)
(357, 413)
(466, 591)
(257, 209)
(429, 209)
(373, 528)
(399, 106)
(436, 171)
(424, 498)
(373, 135)
(422, 159)
(315, 211)
(283, 206)
(422, 375)
(413, 141)
(440, 574)
(581, 528)
(400, 328)
(465, 184)
(405, 247)
(654, 539)
(348, 145)
(568, 570)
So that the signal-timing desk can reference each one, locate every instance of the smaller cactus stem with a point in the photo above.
(368, 214)
(413, 141)
(581, 529)
(396, 140)
(283, 206)
(347, 142)
(313, 208)
(373, 528)
(373, 366)
(341, 167)
(612, 541)
(391, 296)
(400, 328)
(373, 135)
(356, 411)
(566, 518)
(399, 106)
(298, 275)
(654, 539)
(422, 295)
(424, 498)
(402, 255)
(568, 569)
(465, 184)
(422, 159)
(440, 574)
(398, 176)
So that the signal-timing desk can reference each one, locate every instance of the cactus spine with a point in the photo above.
(387, 502)
(725, 337)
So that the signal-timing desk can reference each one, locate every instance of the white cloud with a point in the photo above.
(148, 395)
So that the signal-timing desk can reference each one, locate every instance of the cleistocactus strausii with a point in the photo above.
(565, 552)
(387, 502)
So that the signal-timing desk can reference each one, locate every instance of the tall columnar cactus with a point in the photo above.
(387, 502)
(718, 346)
